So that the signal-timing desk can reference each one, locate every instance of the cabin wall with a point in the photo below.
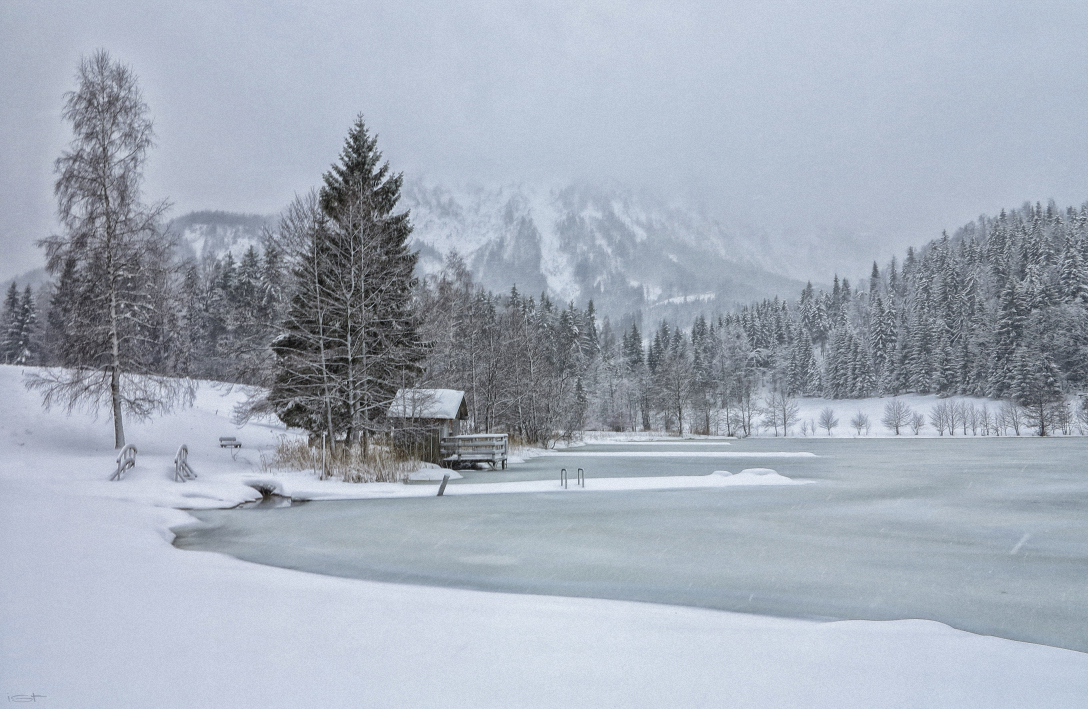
(421, 438)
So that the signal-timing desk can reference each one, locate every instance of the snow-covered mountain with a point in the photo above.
(625, 251)
(213, 234)
(628, 252)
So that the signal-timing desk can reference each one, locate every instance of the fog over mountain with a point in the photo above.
(820, 131)
(627, 252)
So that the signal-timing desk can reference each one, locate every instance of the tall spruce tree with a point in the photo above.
(350, 338)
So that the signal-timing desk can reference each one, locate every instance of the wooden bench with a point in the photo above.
(182, 471)
(232, 443)
(125, 459)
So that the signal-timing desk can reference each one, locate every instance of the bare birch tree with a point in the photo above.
(112, 256)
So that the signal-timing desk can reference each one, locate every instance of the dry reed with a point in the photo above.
(347, 463)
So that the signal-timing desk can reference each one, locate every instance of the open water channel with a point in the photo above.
(988, 535)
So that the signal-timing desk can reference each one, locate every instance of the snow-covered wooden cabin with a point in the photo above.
(443, 409)
(421, 418)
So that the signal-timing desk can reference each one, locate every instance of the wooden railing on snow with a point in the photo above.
(182, 471)
(125, 459)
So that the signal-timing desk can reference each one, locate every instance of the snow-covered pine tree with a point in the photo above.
(1073, 276)
(112, 257)
(920, 355)
(864, 376)
(18, 326)
(632, 349)
(350, 339)
(1006, 339)
(9, 325)
(24, 330)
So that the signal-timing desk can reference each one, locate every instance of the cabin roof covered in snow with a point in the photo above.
(429, 404)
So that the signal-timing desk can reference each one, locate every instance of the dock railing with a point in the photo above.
(491, 448)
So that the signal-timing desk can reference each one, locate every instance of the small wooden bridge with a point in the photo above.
(491, 448)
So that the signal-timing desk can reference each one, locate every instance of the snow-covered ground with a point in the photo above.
(97, 609)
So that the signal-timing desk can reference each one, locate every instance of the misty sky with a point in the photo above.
(893, 120)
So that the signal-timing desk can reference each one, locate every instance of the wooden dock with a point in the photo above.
(491, 448)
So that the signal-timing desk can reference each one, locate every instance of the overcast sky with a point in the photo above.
(892, 120)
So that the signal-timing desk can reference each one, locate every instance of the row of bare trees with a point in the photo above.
(949, 416)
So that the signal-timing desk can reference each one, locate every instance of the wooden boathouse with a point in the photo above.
(427, 423)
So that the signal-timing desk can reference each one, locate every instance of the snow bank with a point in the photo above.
(431, 472)
(718, 478)
(312, 489)
(605, 437)
(681, 454)
(97, 609)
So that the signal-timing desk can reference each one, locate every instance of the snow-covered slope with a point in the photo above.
(97, 609)
(213, 234)
(625, 251)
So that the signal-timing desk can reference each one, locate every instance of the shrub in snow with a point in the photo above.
(917, 423)
(897, 415)
(1010, 416)
(781, 412)
(985, 421)
(861, 421)
(938, 417)
(828, 420)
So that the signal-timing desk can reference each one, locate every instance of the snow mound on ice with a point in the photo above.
(723, 473)
(762, 476)
(431, 472)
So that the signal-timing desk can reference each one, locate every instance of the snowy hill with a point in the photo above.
(625, 251)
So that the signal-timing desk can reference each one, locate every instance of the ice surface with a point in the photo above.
(893, 529)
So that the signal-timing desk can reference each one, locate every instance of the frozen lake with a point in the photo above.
(989, 535)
